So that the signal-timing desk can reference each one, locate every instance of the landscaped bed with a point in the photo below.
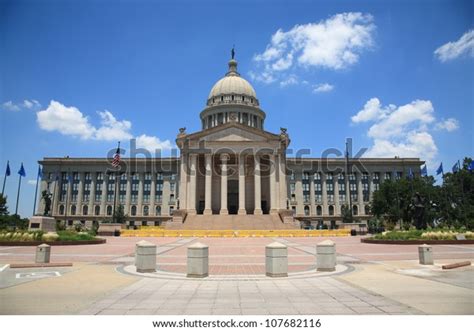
(412, 237)
(32, 238)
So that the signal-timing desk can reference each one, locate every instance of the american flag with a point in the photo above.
(116, 160)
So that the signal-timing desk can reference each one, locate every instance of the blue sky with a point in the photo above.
(76, 76)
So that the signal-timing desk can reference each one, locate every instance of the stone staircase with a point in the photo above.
(232, 222)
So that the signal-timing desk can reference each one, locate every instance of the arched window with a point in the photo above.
(133, 211)
(331, 210)
(109, 210)
(367, 209)
(158, 210)
(354, 210)
(319, 211)
(145, 210)
(306, 210)
(97, 210)
(171, 210)
(73, 210)
(61, 210)
(85, 210)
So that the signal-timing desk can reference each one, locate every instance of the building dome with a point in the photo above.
(232, 83)
(232, 98)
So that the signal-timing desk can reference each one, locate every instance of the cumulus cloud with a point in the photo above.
(321, 88)
(401, 130)
(152, 143)
(451, 124)
(291, 80)
(464, 46)
(70, 121)
(25, 104)
(334, 43)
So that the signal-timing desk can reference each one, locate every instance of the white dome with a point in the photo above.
(232, 85)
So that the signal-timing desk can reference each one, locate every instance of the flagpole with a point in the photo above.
(18, 195)
(348, 180)
(36, 190)
(115, 186)
(5, 179)
(67, 195)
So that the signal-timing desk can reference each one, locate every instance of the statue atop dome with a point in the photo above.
(232, 52)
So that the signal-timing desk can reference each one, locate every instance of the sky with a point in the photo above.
(77, 76)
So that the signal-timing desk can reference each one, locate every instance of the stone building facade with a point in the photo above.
(231, 166)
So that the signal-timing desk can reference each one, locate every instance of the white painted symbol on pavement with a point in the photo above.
(38, 274)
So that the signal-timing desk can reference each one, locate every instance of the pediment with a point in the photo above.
(233, 134)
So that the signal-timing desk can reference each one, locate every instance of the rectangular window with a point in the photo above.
(75, 175)
(122, 198)
(135, 176)
(85, 197)
(74, 197)
(110, 197)
(87, 176)
(342, 197)
(317, 187)
(329, 176)
(329, 187)
(353, 187)
(134, 198)
(365, 176)
(147, 187)
(110, 187)
(159, 198)
(340, 176)
(123, 176)
(172, 187)
(292, 175)
(123, 187)
(342, 187)
(330, 197)
(318, 198)
(292, 187)
(375, 176)
(147, 176)
(112, 176)
(159, 176)
(98, 186)
(317, 176)
(305, 176)
(146, 198)
(98, 197)
(100, 176)
(135, 187)
(306, 198)
(388, 176)
(75, 186)
(173, 177)
(352, 176)
(305, 186)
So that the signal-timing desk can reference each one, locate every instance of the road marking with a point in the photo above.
(30, 275)
(4, 267)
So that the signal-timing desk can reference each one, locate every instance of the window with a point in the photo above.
(365, 176)
(329, 176)
(75, 186)
(135, 176)
(305, 176)
(159, 176)
(159, 187)
(122, 198)
(319, 211)
(145, 210)
(317, 176)
(159, 198)
(306, 210)
(318, 198)
(388, 176)
(87, 176)
(292, 175)
(97, 210)
(98, 197)
(353, 187)
(100, 176)
(85, 210)
(146, 198)
(110, 197)
(305, 186)
(147, 187)
(135, 187)
(172, 187)
(123, 176)
(173, 177)
(109, 210)
(367, 210)
(317, 187)
(352, 176)
(340, 176)
(61, 210)
(355, 210)
(75, 175)
(74, 197)
(292, 188)
(376, 186)
(341, 187)
(112, 176)
(147, 176)
(87, 186)
(365, 186)
(86, 197)
(330, 197)
(375, 176)
(158, 210)
(110, 187)
(123, 186)
(342, 197)
(171, 210)
(73, 210)
(331, 210)
(98, 186)
(329, 186)
(134, 198)
(133, 211)
(399, 175)
(306, 198)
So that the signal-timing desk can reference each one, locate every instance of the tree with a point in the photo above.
(119, 215)
(346, 214)
(3, 205)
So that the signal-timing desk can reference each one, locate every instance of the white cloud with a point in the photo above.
(321, 88)
(70, 121)
(25, 104)
(32, 181)
(335, 43)
(451, 124)
(9, 105)
(291, 80)
(455, 49)
(152, 143)
(401, 130)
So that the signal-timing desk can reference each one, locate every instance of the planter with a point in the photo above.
(54, 243)
(417, 242)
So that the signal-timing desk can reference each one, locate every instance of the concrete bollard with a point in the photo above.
(326, 256)
(198, 261)
(276, 260)
(425, 254)
(43, 253)
(145, 256)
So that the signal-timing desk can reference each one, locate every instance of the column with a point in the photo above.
(258, 187)
(325, 193)
(336, 194)
(360, 197)
(192, 185)
(103, 210)
(371, 185)
(165, 204)
(152, 194)
(140, 194)
(208, 185)
(80, 192)
(311, 195)
(183, 180)
(56, 191)
(92, 193)
(282, 181)
(273, 200)
(128, 194)
(224, 210)
(242, 210)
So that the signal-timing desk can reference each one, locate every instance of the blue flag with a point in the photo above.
(470, 167)
(424, 171)
(8, 172)
(440, 169)
(456, 167)
(22, 172)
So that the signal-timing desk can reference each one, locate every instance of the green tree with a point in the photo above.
(3, 205)
(346, 214)
(119, 215)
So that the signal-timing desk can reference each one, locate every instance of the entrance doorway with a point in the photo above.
(233, 196)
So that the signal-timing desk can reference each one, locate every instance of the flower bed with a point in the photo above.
(30, 238)
(421, 237)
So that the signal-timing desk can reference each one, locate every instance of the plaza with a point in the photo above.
(370, 279)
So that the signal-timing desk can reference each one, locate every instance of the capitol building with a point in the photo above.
(232, 172)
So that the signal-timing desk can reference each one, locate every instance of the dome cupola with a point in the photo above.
(232, 98)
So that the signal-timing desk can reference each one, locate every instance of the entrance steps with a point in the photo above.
(232, 222)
